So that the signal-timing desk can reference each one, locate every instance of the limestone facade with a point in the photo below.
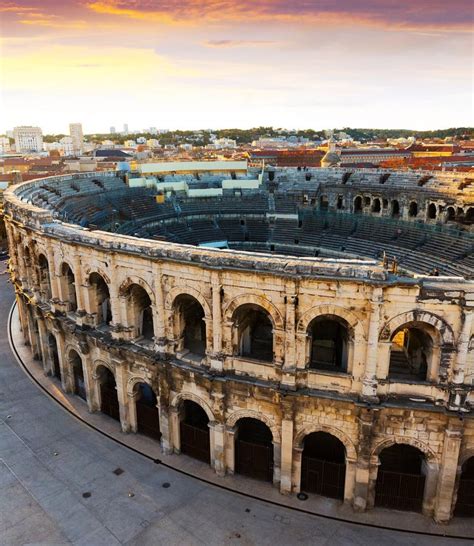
(55, 269)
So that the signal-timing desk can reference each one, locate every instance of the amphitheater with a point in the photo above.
(311, 328)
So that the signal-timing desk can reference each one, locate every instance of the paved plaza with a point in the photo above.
(61, 482)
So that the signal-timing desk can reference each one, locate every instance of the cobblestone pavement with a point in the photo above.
(58, 486)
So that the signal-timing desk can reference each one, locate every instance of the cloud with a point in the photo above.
(403, 14)
(239, 43)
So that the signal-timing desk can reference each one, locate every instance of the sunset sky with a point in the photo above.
(220, 63)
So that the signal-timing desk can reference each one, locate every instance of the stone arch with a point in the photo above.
(252, 414)
(193, 398)
(267, 305)
(465, 456)
(351, 452)
(442, 327)
(351, 318)
(431, 456)
(134, 279)
(134, 380)
(90, 270)
(187, 291)
(96, 364)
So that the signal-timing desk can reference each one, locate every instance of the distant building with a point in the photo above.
(220, 143)
(112, 130)
(125, 128)
(28, 139)
(4, 145)
(68, 145)
(75, 130)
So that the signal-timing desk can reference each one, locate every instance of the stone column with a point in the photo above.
(463, 346)
(369, 382)
(217, 443)
(431, 482)
(287, 427)
(53, 279)
(288, 378)
(66, 379)
(91, 391)
(159, 318)
(42, 334)
(447, 475)
(276, 463)
(296, 470)
(121, 376)
(216, 359)
(132, 411)
(78, 280)
(364, 480)
(175, 433)
(165, 429)
(230, 449)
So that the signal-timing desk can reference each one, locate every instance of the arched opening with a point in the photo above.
(109, 403)
(376, 205)
(329, 339)
(413, 209)
(323, 465)
(395, 208)
(53, 351)
(194, 431)
(431, 211)
(43, 276)
(254, 332)
(411, 353)
(75, 362)
(465, 499)
(358, 204)
(469, 216)
(340, 202)
(401, 478)
(254, 449)
(141, 312)
(101, 299)
(69, 286)
(191, 324)
(450, 214)
(148, 422)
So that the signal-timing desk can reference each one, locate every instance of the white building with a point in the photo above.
(68, 145)
(220, 143)
(112, 130)
(4, 145)
(75, 130)
(28, 139)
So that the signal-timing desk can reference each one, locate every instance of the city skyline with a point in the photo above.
(191, 65)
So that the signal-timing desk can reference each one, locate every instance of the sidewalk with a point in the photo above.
(321, 506)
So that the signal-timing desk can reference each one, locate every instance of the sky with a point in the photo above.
(189, 64)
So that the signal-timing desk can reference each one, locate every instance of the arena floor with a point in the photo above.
(58, 486)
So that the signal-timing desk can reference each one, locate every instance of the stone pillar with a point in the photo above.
(121, 374)
(132, 411)
(53, 279)
(364, 480)
(286, 462)
(159, 318)
(66, 378)
(296, 470)
(175, 433)
(91, 392)
(42, 334)
(349, 483)
(230, 449)
(431, 482)
(78, 280)
(216, 359)
(166, 440)
(463, 346)
(288, 378)
(444, 504)
(217, 443)
(276, 463)
(369, 382)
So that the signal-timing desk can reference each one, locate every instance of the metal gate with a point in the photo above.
(195, 442)
(254, 460)
(465, 501)
(323, 477)
(400, 491)
(147, 420)
(109, 401)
